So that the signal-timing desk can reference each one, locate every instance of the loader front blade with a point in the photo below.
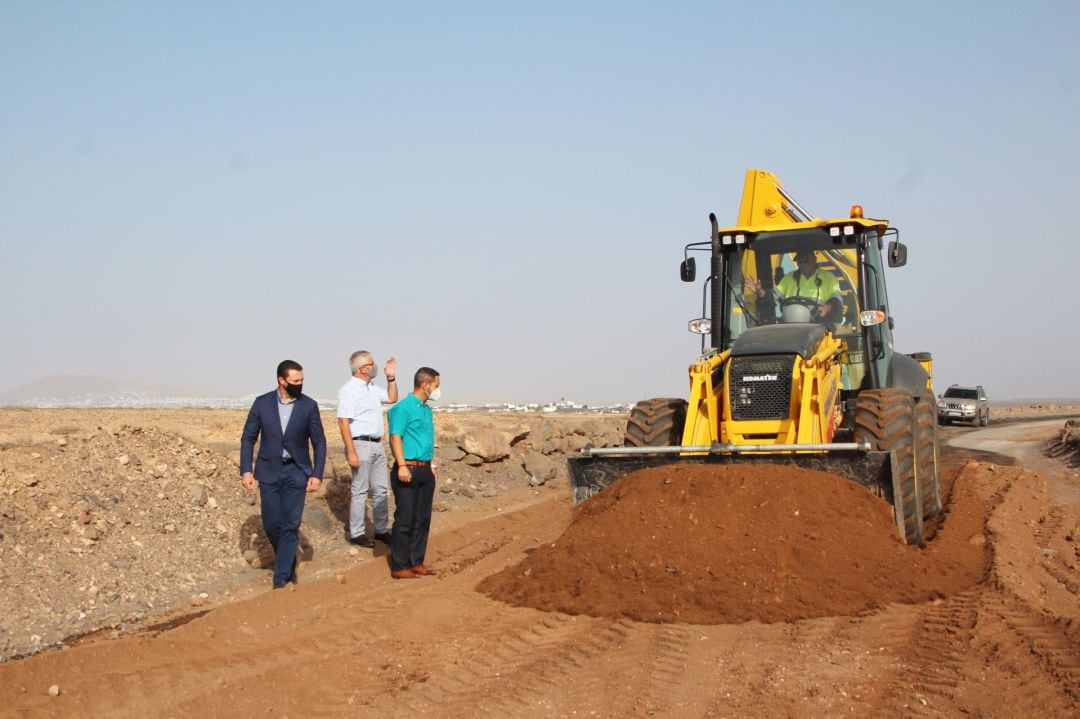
(874, 470)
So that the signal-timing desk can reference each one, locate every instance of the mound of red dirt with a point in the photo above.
(732, 543)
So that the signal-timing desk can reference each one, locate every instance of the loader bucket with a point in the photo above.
(874, 470)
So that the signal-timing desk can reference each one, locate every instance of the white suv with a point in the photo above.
(964, 404)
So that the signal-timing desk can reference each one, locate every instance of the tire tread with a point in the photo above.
(886, 419)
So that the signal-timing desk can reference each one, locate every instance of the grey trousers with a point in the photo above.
(371, 476)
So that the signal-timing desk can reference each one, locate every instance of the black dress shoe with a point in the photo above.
(383, 537)
(362, 541)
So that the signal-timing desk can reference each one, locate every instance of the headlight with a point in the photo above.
(700, 326)
(869, 318)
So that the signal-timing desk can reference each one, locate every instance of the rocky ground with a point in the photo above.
(1066, 445)
(109, 517)
(997, 636)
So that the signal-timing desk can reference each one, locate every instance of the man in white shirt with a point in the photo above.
(360, 419)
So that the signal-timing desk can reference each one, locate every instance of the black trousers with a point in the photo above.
(412, 517)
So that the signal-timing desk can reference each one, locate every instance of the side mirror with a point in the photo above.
(897, 254)
(688, 270)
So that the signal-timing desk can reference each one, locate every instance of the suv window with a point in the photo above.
(960, 393)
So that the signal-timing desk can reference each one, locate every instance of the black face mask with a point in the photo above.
(294, 390)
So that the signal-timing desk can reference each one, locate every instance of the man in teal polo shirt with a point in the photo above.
(412, 441)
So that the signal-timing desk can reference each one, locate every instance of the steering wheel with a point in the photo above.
(808, 302)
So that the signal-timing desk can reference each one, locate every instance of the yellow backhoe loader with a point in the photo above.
(797, 363)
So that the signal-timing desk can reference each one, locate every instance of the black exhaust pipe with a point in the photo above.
(716, 312)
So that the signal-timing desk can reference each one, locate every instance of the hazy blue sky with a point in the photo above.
(191, 192)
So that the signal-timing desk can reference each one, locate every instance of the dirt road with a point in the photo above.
(357, 643)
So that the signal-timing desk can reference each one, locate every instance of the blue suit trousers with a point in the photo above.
(281, 495)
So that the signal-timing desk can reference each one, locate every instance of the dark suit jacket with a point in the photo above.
(304, 425)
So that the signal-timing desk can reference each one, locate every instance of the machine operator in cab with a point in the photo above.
(807, 281)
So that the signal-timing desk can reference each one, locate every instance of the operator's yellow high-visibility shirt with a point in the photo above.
(821, 286)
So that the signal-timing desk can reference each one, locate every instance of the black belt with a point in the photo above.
(366, 438)
(287, 460)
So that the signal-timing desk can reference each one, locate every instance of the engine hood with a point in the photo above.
(802, 339)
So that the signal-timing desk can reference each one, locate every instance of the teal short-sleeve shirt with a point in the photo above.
(411, 420)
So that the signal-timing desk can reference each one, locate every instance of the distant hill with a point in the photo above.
(96, 391)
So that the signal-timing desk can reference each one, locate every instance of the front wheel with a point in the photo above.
(885, 418)
(656, 423)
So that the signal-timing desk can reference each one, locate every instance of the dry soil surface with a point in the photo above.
(982, 622)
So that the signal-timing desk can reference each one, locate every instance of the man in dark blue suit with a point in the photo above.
(287, 421)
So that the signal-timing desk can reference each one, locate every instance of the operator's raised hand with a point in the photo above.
(754, 286)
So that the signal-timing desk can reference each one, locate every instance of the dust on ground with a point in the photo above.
(358, 643)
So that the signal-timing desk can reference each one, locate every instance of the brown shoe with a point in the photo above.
(404, 574)
(421, 571)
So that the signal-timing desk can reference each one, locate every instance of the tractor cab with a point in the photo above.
(824, 272)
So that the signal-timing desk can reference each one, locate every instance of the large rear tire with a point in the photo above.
(656, 423)
(885, 418)
(926, 458)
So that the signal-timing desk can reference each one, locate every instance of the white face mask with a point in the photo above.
(434, 395)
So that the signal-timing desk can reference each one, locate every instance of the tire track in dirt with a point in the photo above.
(515, 666)
(933, 656)
(1049, 525)
(814, 634)
(489, 661)
(668, 658)
(978, 651)
(1049, 643)
(568, 669)
(1051, 529)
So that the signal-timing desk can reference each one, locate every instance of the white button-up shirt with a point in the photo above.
(361, 403)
